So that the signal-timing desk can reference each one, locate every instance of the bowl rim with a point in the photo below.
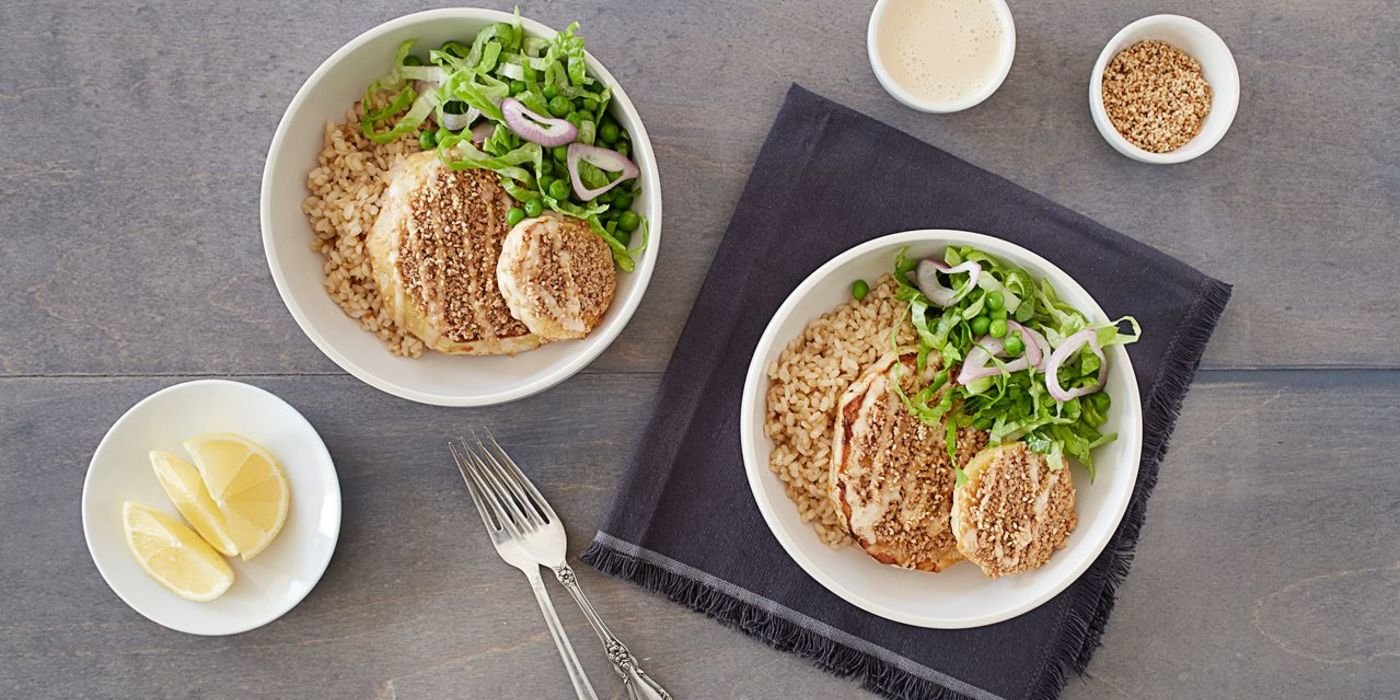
(1197, 146)
(625, 307)
(85, 505)
(1007, 56)
(753, 396)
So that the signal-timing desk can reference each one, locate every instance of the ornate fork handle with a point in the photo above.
(639, 685)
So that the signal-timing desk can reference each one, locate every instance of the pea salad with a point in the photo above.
(527, 109)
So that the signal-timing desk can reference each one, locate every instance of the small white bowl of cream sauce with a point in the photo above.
(941, 55)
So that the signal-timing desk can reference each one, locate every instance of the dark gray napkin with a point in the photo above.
(684, 523)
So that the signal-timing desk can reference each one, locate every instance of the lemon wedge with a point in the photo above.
(186, 490)
(174, 555)
(248, 486)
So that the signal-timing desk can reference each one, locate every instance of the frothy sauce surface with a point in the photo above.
(941, 50)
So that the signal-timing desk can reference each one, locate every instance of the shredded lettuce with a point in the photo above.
(570, 46)
(1009, 405)
(500, 62)
(460, 154)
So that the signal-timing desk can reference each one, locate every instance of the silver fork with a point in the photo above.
(502, 518)
(532, 524)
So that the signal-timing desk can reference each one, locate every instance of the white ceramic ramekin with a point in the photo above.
(897, 91)
(1216, 61)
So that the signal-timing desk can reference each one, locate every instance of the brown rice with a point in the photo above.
(350, 175)
(805, 384)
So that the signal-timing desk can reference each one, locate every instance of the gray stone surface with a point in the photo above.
(132, 145)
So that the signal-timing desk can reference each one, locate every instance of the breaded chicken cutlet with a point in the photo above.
(557, 276)
(434, 249)
(891, 478)
(1014, 511)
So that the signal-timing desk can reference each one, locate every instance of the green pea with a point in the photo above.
(411, 60)
(546, 167)
(514, 216)
(608, 132)
(621, 199)
(995, 300)
(560, 153)
(997, 328)
(559, 189)
(859, 289)
(628, 221)
(443, 134)
(590, 104)
(575, 118)
(999, 314)
(559, 106)
(428, 140)
(1015, 345)
(534, 207)
(544, 184)
(979, 325)
(1101, 401)
(517, 87)
(623, 148)
(549, 92)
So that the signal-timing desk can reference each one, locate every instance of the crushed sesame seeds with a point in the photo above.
(448, 264)
(1156, 95)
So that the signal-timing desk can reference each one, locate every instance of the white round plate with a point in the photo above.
(434, 378)
(275, 580)
(960, 596)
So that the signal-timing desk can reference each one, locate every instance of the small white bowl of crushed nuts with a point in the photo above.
(1164, 90)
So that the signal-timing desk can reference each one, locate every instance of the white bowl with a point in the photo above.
(434, 378)
(908, 99)
(275, 580)
(1216, 61)
(960, 596)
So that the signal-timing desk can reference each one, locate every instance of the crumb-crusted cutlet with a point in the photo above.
(892, 478)
(557, 276)
(1014, 511)
(457, 223)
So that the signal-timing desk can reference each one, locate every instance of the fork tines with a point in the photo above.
(503, 495)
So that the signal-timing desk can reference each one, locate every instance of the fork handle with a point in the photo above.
(561, 639)
(639, 685)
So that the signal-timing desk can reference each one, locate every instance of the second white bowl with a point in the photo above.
(434, 378)
(960, 596)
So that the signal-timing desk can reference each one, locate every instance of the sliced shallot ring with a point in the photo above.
(1037, 347)
(536, 128)
(940, 295)
(481, 132)
(603, 159)
(978, 365)
(1072, 344)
